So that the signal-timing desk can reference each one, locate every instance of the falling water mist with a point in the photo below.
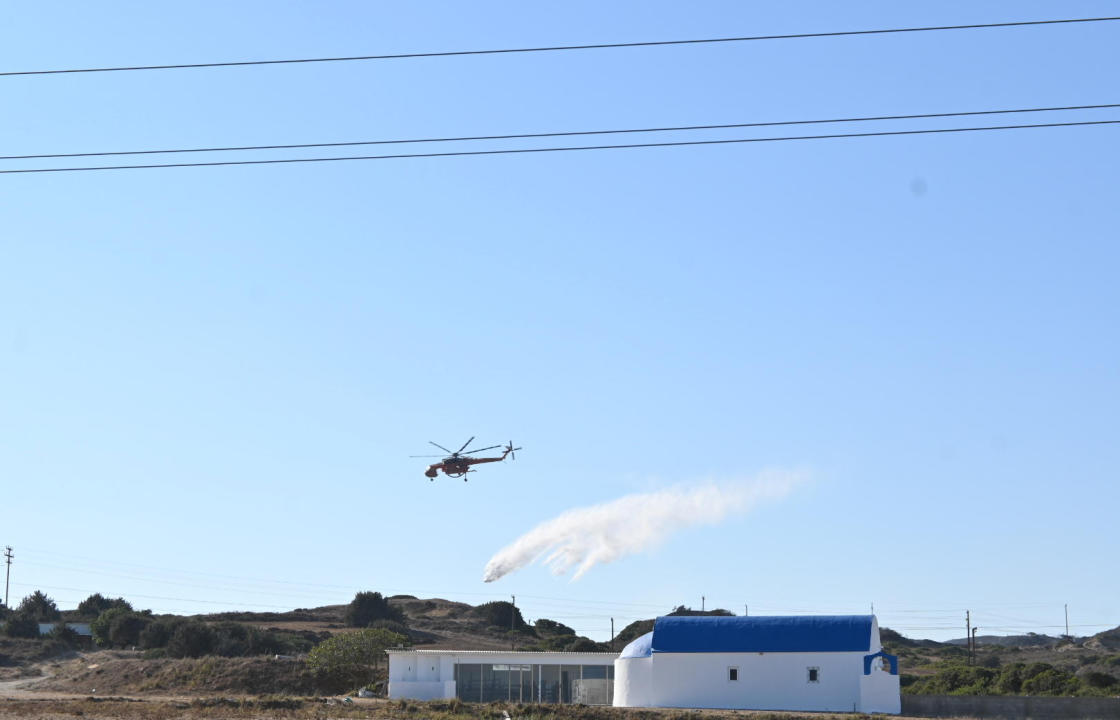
(584, 537)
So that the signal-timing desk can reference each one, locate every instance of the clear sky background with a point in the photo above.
(211, 379)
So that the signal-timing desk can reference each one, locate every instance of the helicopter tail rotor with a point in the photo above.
(510, 450)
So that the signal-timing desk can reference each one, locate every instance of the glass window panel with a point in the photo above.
(550, 683)
(568, 675)
(495, 683)
(468, 682)
(594, 672)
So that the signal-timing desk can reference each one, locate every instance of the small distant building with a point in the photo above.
(800, 663)
(82, 628)
(490, 675)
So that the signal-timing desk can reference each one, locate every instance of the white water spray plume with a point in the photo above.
(584, 537)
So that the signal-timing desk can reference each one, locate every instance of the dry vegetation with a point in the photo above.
(41, 679)
(323, 708)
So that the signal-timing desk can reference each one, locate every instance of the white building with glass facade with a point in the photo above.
(802, 663)
(490, 675)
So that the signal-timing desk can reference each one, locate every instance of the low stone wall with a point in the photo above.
(1011, 707)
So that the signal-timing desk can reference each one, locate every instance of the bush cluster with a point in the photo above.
(1013, 679)
(349, 660)
(97, 603)
(23, 622)
(181, 637)
(367, 607)
(502, 614)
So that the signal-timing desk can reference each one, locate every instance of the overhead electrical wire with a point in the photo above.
(522, 151)
(573, 133)
(560, 48)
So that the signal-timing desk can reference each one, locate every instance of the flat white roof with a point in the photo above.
(530, 653)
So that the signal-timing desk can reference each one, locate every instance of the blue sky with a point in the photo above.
(211, 379)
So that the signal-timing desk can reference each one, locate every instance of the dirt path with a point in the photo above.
(19, 688)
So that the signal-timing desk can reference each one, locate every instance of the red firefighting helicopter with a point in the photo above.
(458, 462)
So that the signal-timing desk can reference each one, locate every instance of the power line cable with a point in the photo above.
(558, 48)
(573, 133)
(521, 151)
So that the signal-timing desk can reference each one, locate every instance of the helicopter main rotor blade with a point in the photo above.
(468, 452)
(440, 446)
(468, 442)
(424, 456)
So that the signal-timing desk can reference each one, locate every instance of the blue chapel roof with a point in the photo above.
(801, 633)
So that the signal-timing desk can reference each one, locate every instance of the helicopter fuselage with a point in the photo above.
(457, 467)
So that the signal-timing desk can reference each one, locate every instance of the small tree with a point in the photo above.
(64, 634)
(501, 613)
(158, 632)
(351, 659)
(119, 627)
(125, 629)
(21, 625)
(369, 606)
(97, 603)
(191, 639)
(39, 606)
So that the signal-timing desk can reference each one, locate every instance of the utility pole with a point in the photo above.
(974, 629)
(512, 618)
(968, 635)
(612, 634)
(1067, 618)
(7, 554)
(701, 603)
(746, 610)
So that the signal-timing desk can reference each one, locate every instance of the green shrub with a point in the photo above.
(990, 661)
(40, 607)
(21, 625)
(582, 644)
(1052, 682)
(350, 660)
(687, 611)
(551, 627)
(119, 627)
(1100, 680)
(97, 603)
(1010, 680)
(369, 606)
(191, 639)
(392, 626)
(66, 635)
(501, 614)
(158, 632)
(632, 631)
(125, 629)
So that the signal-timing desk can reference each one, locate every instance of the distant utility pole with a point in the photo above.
(7, 554)
(512, 617)
(1066, 607)
(701, 603)
(872, 608)
(968, 635)
(612, 634)
(746, 610)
